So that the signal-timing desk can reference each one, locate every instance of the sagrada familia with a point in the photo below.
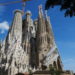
(29, 45)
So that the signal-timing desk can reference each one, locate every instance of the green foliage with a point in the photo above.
(57, 72)
(67, 5)
(54, 71)
(51, 69)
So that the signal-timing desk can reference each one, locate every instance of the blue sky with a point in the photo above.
(63, 28)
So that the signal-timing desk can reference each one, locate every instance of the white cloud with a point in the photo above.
(4, 26)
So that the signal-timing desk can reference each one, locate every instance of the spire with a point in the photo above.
(28, 15)
(49, 31)
(28, 19)
(41, 21)
(27, 32)
(16, 30)
(40, 11)
(41, 37)
(46, 14)
(27, 35)
(47, 17)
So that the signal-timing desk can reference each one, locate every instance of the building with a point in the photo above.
(29, 45)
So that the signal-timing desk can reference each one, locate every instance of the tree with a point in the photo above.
(67, 5)
(54, 70)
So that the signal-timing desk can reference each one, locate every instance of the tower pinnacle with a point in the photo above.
(28, 13)
(46, 14)
(40, 11)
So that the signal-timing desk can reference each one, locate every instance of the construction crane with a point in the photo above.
(12, 2)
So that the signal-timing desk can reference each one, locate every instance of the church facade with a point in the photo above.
(29, 45)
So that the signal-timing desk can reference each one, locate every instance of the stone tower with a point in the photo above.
(41, 37)
(16, 58)
(26, 35)
(29, 38)
(46, 47)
